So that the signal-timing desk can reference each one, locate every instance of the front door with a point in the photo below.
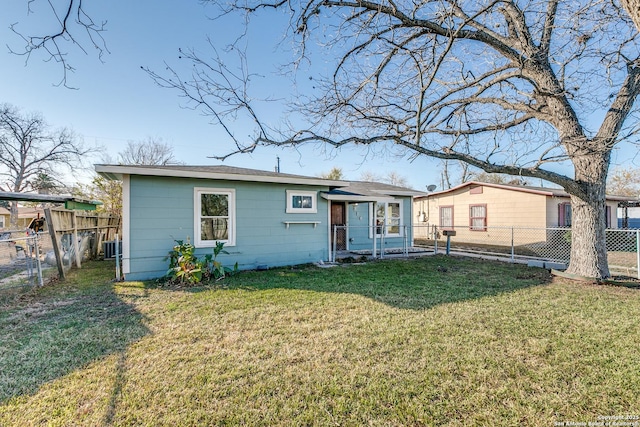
(338, 217)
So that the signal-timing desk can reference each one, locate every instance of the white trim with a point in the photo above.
(126, 224)
(231, 193)
(355, 198)
(314, 223)
(115, 171)
(314, 201)
(372, 218)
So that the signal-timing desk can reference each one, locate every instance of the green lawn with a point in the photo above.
(433, 341)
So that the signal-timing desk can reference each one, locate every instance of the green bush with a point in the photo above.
(186, 269)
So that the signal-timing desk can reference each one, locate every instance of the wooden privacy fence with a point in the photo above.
(76, 233)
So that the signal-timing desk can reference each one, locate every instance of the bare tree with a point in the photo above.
(152, 151)
(507, 87)
(624, 182)
(29, 150)
(73, 26)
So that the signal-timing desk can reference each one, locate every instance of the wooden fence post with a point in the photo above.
(54, 241)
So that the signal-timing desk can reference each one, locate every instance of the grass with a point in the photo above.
(432, 341)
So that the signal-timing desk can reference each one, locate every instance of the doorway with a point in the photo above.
(339, 217)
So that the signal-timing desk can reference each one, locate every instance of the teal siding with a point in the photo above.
(162, 211)
(358, 231)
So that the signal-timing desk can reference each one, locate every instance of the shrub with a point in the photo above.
(186, 269)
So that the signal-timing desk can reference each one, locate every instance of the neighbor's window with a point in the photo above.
(388, 218)
(478, 217)
(1, 221)
(446, 217)
(564, 215)
(215, 216)
(301, 202)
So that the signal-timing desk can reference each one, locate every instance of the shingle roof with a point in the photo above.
(546, 191)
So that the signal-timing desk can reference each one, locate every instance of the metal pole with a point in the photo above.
(334, 245)
(38, 264)
(435, 240)
(117, 249)
(513, 249)
(638, 252)
(405, 248)
(375, 240)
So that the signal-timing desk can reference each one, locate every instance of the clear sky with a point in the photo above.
(117, 102)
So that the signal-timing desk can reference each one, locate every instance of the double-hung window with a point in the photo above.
(478, 217)
(214, 216)
(388, 219)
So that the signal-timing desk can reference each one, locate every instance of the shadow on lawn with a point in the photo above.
(56, 332)
(415, 284)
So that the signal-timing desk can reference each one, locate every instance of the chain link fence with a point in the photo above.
(550, 247)
(22, 259)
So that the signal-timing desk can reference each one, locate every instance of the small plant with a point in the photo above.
(214, 268)
(186, 268)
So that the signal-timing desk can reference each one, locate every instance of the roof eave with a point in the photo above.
(355, 198)
(117, 172)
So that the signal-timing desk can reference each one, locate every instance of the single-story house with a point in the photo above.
(26, 214)
(474, 209)
(264, 219)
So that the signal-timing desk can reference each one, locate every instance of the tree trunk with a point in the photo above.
(588, 222)
(13, 218)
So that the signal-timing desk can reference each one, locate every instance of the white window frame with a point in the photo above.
(293, 193)
(373, 217)
(1, 221)
(197, 222)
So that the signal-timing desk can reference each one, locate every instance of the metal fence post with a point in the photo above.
(38, 263)
(374, 252)
(117, 259)
(435, 240)
(513, 249)
(638, 252)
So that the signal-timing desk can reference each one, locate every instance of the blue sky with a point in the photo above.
(117, 102)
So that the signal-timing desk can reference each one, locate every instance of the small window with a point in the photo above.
(301, 202)
(446, 217)
(214, 217)
(478, 217)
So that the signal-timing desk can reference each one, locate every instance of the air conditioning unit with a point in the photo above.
(109, 249)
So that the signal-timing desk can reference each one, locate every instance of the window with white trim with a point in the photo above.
(388, 218)
(215, 216)
(302, 201)
(1, 221)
